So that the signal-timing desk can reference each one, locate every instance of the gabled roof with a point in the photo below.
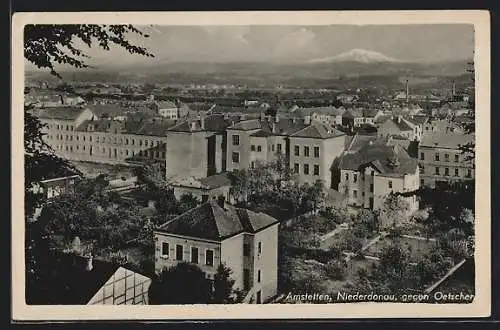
(109, 110)
(317, 131)
(61, 113)
(165, 104)
(353, 113)
(211, 221)
(451, 140)
(380, 155)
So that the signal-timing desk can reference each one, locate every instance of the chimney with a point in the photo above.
(307, 120)
(453, 89)
(89, 265)
(202, 121)
(277, 118)
(274, 127)
(262, 116)
(407, 91)
(399, 119)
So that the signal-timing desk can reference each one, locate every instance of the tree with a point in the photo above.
(223, 286)
(183, 283)
(393, 211)
(188, 202)
(46, 45)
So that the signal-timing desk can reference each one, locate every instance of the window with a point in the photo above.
(421, 182)
(163, 154)
(347, 176)
(157, 143)
(306, 151)
(456, 172)
(258, 276)
(126, 152)
(296, 168)
(422, 169)
(179, 252)
(272, 147)
(456, 158)
(259, 148)
(469, 173)
(164, 249)
(194, 255)
(422, 157)
(246, 249)
(436, 157)
(236, 157)
(252, 164)
(446, 171)
(363, 193)
(252, 147)
(126, 141)
(316, 152)
(371, 187)
(390, 184)
(316, 169)
(355, 178)
(373, 173)
(296, 150)
(146, 143)
(78, 138)
(236, 140)
(209, 258)
(306, 168)
(355, 193)
(279, 147)
(259, 248)
(446, 157)
(437, 171)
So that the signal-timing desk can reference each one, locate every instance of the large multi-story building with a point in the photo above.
(369, 174)
(441, 159)
(216, 233)
(310, 147)
(78, 133)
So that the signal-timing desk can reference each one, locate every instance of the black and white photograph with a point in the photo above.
(252, 164)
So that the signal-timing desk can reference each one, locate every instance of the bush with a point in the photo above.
(335, 270)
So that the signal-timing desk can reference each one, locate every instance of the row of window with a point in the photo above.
(437, 157)
(296, 151)
(126, 152)
(62, 127)
(179, 254)
(102, 139)
(437, 171)
(305, 168)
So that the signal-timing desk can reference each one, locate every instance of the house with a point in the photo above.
(371, 115)
(441, 157)
(51, 188)
(216, 232)
(400, 126)
(353, 118)
(309, 147)
(369, 174)
(330, 116)
(73, 279)
(169, 110)
(203, 188)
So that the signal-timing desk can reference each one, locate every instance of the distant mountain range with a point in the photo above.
(356, 55)
(353, 63)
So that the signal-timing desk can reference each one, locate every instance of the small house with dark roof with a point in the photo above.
(409, 128)
(217, 233)
(203, 189)
(369, 174)
(73, 279)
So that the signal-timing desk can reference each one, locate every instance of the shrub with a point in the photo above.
(335, 270)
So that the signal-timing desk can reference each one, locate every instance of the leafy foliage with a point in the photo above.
(184, 283)
(46, 45)
(223, 286)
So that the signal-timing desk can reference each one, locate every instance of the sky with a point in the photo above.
(288, 44)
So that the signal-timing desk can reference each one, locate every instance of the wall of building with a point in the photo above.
(331, 149)
(163, 261)
(267, 262)
(243, 149)
(232, 257)
(187, 154)
(428, 165)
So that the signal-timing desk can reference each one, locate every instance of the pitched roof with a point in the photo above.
(208, 183)
(317, 131)
(211, 221)
(109, 110)
(213, 123)
(353, 113)
(370, 112)
(418, 120)
(331, 111)
(165, 104)
(61, 113)
(381, 156)
(451, 140)
(65, 280)
(261, 133)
